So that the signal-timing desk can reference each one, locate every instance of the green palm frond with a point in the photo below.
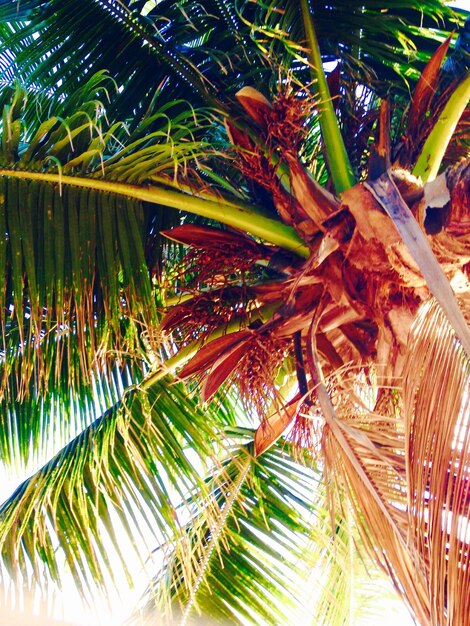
(33, 427)
(208, 48)
(15, 11)
(436, 145)
(65, 315)
(132, 463)
(374, 41)
(269, 552)
(142, 57)
(82, 203)
(344, 585)
(243, 563)
(78, 263)
(181, 46)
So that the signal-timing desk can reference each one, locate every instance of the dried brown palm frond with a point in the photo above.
(363, 453)
(437, 420)
(403, 460)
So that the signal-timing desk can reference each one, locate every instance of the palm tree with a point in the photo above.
(319, 319)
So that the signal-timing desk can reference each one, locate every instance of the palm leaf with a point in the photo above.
(77, 293)
(130, 463)
(268, 552)
(50, 336)
(345, 586)
(386, 36)
(241, 563)
(79, 251)
(187, 45)
(363, 452)
(34, 428)
(409, 510)
(436, 406)
(95, 18)
(170, 45)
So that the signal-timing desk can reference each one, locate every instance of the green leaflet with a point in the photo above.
(133, 455)
(249, 541)
(57, 280)
(434, 149)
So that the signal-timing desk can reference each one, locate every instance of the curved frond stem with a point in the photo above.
(230, 213)
(216, 530)
(337, 156)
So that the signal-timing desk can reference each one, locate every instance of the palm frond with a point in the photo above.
(437, 407)
(33, 428)
(270, 551)
(386, 36)
(344, 584)
(363, 450)
(78, 264)
(131, 465)
(209, 48)
(403, 468)
(243, 563)
(150, 59)
(434, 149)
(66, 316)
(14, 11)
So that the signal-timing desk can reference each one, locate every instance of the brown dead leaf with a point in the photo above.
(204, 236)
(222, 368)
(317, 202)
(274, 426)
(209, 353)
(173, 317)
(255, 104)
(237, 136)
(426, 87)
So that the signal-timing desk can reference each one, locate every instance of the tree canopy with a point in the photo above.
(235, 308)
